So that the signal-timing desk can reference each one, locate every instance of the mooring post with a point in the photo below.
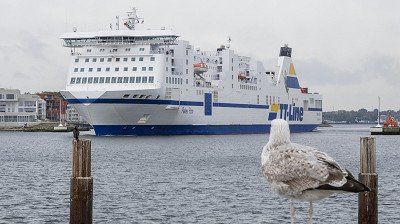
(81, 198)
(368, 201)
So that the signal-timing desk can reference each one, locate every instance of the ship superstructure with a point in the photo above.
(149, 82)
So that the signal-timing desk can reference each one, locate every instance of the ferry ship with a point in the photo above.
(133, 81)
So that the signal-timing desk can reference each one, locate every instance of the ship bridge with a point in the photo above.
(119, 37)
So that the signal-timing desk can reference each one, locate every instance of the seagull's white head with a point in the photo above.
(280, 133)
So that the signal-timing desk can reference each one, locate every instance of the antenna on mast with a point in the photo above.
(133, 19)
(229, 42)
(117, 23)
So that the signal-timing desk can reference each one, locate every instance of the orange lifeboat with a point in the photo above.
(200, 68)
(390, 122)
(241, 76)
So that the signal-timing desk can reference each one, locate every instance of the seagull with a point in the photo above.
(302, 173)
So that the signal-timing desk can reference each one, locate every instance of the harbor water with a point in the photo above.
(180, 179)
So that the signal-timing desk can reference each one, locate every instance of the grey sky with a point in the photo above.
(347, 50)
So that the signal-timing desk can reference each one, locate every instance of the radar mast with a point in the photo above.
(132, 19)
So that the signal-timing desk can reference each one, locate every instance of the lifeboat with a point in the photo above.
(390, 122)
(241, 76)
(200, 68)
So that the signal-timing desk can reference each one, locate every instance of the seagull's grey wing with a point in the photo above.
(301, 168)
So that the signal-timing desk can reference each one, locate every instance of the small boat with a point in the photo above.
(390, 127)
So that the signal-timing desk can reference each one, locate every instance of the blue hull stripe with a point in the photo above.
(192, 129)
(163, 102)
(314, 109)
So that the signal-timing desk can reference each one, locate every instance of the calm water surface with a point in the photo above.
(180, 179)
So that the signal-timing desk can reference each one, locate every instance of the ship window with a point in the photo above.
(148, 96)
(151, 79)
(75, 69)
(119, 80)
(82, 70)
(166, 79)
(133, 59)
(99, 69)
(114, 50)
(132, 79)
(109, 59)
(134, 69)
(141, 59)
(187, 71)
(166, 59)
(187, 62)
(126, 79)
(138, 79)
(141, 49)
(125, 59)
(96, 80)
(127, 49)
(102, 50)
(187, 52)
(125, 96)
(166, 69)
(117, 59)
(107, 69)
(125, 69)
(150, 68)
(141, 96)
(90, 80)
(88, 50)
(187, 81)
(84, 79)
(134, 96)
(158, 97)
(152, 58)
(116, 69)
(90, 69)
(143, 68)
(108, 79)
(78, 80)
(87, 60)
(101, 59)
(94, 59)
(72, 81)
(76, 59)
(144, 79)
(113, 79)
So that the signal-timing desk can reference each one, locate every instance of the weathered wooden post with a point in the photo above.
(81, 198)
(368, 201)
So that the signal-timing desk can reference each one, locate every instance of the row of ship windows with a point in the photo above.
(246, 87)
(116, 69)
(172, 80)
(116, 59)
(113, 50)
(95, 80)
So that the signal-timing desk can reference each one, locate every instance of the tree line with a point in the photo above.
(360, 116)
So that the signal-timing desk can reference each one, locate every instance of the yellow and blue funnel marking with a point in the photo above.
(273, 111)
(291, 79)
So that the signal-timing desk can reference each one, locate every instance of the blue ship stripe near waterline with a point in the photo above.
(193, 129)
(292, 82)
(314, 109)
(163, 102)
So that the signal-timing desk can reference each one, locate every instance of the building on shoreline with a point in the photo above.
(18, 109)
(53, 101)
(72, 115)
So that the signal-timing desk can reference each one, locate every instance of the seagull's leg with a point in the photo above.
(292, 213)
(310, 213)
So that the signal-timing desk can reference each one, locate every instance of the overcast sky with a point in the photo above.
(347, 50)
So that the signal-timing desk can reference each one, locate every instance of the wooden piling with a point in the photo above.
(368, 201)
(81, 195)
